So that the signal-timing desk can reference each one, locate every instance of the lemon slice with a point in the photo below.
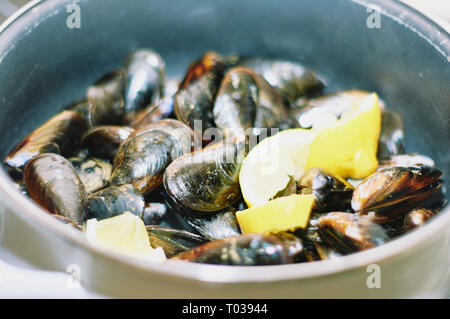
(125, 234)
(349, 148)
(270, 165)
(284, 213)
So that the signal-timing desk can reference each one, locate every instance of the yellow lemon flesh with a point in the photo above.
(124, 234)
(270, 165)
(280, 214)
(349, 148)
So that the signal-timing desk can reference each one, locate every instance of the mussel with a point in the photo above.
(416, 218)
(405, 160)
(392, 192)
(115, 200)
(154, 213)
(206, 181)
(195, 97)
(245, 250)
(104, 141)
(291, 79)
(246, 101)
(173, 241)
(392, 139)
(144, 81)
(82, 108)
(218, 226)
(153, 113)
(93, 172)
(60, 135)
(330, 192)
(347, 232)
(143, 158)
(53, 183)
(106, 100)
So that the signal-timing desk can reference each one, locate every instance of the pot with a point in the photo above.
(46, 62)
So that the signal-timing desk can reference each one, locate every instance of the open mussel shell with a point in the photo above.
(154, 213)
(153, 113)
(106, 100)
(330, 192)
(291, 79)
(173, 241)
(391, 192)
(104, 141)
(53, 183)
(347, 232)
(144, 81)
(93, 172)
(143, 158)
(195, 97)
(206, 181)
(392, 138)
(115, 200)
(246, 101)
(60, 135)
(244, 250)
(218, 226)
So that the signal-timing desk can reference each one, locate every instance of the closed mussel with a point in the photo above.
(195, 97)
(106, 100)
(144, 81)
(173, 241)
(245, 250)
(291, 79)
(53, 183)
(206, 181)
(246, 101)
(142, 159)
(93, 172)
(104, 141)
(115, 200)
(60, 135)
(347, 232)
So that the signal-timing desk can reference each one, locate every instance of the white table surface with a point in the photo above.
(19, 279)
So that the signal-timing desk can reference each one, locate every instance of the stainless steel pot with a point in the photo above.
(45, 64)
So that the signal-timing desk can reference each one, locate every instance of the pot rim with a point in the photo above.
(31, 213)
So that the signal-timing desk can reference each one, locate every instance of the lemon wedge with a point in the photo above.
(125, 234)
(348, 149)
(271, 164)
(281, 214)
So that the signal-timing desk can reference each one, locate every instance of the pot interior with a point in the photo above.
(45, 65)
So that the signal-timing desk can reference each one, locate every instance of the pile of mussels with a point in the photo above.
(130, 145)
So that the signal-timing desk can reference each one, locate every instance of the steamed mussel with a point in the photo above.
(60, 135)
(53, 183)
(141, 146)
(143, 158)
(245, 250)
